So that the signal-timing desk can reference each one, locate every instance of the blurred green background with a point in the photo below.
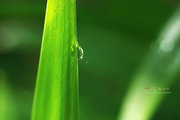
(115, 35)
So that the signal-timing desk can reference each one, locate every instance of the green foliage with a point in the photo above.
(56, 95)
(7, 101)
(157, 74)
(115, 36)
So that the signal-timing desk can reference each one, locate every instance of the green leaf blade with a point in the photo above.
(56, 96)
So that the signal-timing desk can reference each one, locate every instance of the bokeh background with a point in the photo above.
(115, 35)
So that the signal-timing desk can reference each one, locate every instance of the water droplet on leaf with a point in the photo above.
(80, 52)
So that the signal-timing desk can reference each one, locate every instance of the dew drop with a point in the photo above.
(80, 52)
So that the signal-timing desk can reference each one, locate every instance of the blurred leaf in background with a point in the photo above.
(154, 79)
(7, 102)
